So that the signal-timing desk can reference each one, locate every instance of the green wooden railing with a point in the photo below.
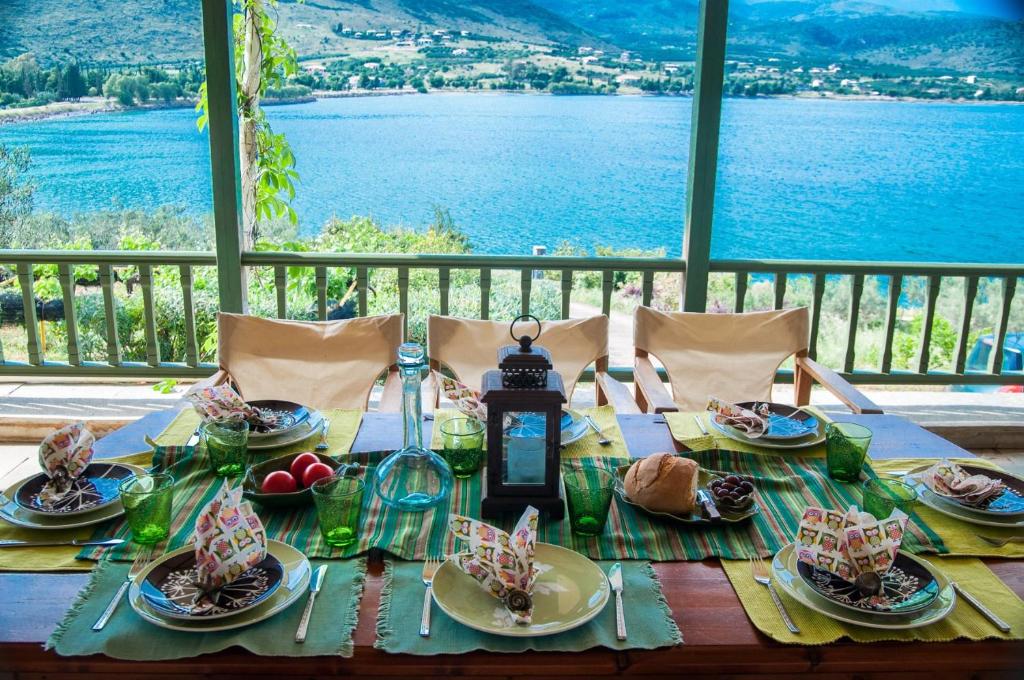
(895, 273)
(745, 272)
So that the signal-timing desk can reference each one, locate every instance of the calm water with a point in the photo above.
(797, 178)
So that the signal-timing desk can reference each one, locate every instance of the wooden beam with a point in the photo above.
(700, 177)
(222, 125)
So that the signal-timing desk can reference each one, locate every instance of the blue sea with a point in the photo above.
(798, 178)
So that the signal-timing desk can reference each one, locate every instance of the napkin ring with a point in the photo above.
(517, 600)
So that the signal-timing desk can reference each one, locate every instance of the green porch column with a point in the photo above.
(224, 164)
(700, 178)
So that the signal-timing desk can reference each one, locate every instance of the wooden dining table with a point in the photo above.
(718, 637)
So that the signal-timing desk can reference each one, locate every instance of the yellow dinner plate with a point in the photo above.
(569, 591)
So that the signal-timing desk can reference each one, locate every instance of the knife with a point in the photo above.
(615, 579)
(981, 609)
(76, 542)
(314, 588)
(709, 505)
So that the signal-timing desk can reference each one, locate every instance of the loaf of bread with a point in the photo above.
(663, 482)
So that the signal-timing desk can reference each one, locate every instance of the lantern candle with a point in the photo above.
(524, 399)
(524, 449)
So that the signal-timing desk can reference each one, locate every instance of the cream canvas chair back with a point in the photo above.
(729, 356)
(469, 347)
(323, 364)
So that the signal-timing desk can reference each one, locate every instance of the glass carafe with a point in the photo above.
(413, 478)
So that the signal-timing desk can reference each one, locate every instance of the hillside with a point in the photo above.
(814, 31)
(146, 31)
(140, 31)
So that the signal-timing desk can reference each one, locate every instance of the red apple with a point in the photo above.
(301, 462)
(314, 472)
(279, 481)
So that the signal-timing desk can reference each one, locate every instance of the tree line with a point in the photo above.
(24, 82)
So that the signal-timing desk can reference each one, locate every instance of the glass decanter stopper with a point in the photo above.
(413, 478)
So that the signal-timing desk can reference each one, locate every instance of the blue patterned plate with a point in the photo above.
(1009, 504)
(170, 588)
(290, 416)
(907, 587)
(785, 422)
(573, 426)
(96, 488)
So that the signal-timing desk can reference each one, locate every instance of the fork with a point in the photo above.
(430, 566)
(137, 566)
(322, 446)
(760, 572)
(1000, 542)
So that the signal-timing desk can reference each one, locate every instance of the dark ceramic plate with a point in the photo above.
(96, 488)
(169, 589)
(1010, 503)
(907, 587)
(291, 414)
(257, 473)
(785, 422)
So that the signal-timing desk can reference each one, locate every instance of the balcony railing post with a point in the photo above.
(224, 159)
(700, 177)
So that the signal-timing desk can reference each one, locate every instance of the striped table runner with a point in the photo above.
(785, 488)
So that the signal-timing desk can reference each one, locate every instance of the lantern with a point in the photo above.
(524, 400)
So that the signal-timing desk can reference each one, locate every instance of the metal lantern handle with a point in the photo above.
(525, 340)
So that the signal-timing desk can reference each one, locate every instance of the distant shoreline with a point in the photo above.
(94, 105)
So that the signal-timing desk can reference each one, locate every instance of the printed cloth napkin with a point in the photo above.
(64, 455)
(464, 397)
(850, 544)
(229, 540)
(751, 423)
(500, 563)
(221, 402)
(952, 481)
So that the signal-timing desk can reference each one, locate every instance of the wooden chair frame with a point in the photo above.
(653, 397)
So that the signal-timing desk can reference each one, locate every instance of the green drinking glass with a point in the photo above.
(339, 500)
(462, 441)
(147, 506)
(882, 496)
(588, 493)
(227, 445)
(846, 448)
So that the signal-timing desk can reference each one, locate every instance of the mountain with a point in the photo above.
(886, 32)
(141, 31)
(955, 35)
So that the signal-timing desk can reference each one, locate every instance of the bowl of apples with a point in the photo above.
(284, 482)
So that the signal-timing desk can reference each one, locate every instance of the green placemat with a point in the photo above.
(685, 430)
(817, 629)
(127, 636)
(649, 622)
(961, 538)
(585, 447)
